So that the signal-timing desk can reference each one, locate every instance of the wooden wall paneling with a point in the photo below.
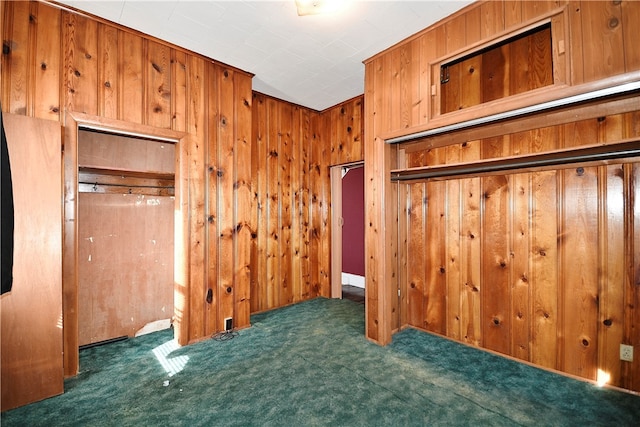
(405, 77)
(397, 119)
(631, 371)
(225, 165)
(578, 241)
(520, 253)
(242, 195)
(575, 42)
(424, 46)
(495, 16)
(612, 255)
(31, 313)
(512, 12)
(473, 24)
(603, 41)
(338, 144)
(417, 258)
(496, 263)
(470, 251)
(182, 235)
(452, 244)
(305, 202)
(315, 232)
(456, 31)
(179, 100)
(273, 277)
(259, 120)
(197, 196)
(81, 74)
(545, 311)
(132, 77)
(108, 70)
(324, 207)
(47, 62)
(435, 283)
(158, 82)
(419, 93)
(285, 160)
(630, 18)
(298, 133)
(212, 291)
(533, 9)
(15, 57)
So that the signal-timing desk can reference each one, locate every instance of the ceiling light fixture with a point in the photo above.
(317, 7)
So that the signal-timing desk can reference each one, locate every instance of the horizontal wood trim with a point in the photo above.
(561, 116)
(515, 102)
(120, 127)
(592, 155)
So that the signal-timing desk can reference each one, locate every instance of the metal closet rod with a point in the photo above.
(564, 102)
(581, 155)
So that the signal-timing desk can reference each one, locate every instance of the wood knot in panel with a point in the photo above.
(43, 65)
(613, 22)
(607, 322)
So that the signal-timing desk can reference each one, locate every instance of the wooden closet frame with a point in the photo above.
(74, 121)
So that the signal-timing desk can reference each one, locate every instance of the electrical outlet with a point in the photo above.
(228, 323)
(626, 352)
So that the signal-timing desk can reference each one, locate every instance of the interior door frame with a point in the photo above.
(73, 122)
(337, 221)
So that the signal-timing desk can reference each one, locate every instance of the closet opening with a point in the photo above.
(123, 221)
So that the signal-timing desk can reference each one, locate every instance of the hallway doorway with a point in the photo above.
(347, 243)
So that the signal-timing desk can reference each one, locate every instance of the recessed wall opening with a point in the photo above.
(512, 66)
(126, 201)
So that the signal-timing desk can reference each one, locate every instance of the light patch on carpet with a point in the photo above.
(172, 365)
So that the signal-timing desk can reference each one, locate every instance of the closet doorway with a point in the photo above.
(122, 224)
(347, 222)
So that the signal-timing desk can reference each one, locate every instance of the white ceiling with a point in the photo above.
(313, 61)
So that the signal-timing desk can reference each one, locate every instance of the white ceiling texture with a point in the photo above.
(314, 60)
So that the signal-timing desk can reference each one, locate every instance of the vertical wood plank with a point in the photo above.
(453, 239)
(603, 41)
(579, 258)
(273, 206)
(197, 154)
(82, 66)
(299, 131)
(158, 102)
(243, 200)
(48, 63)
(15, 57)
(285, 160)
(108, 69)
(225, 164)
(259, 184)
(630, 17)
(179, 100)
(132, 78)
(416, 254)
(470, 251)
(435, 282)
(612, 255)
(496, 264)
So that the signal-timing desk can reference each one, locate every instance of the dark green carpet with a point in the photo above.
(309, 364)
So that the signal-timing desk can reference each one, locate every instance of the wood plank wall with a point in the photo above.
(541, 266)
(55, 60)
(293, 149)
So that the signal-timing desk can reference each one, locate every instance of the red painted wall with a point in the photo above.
(353, 228)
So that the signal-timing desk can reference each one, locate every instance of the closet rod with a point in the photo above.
(590, 154)
(538, 108)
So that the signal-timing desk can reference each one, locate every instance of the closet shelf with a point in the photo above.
(117, 181)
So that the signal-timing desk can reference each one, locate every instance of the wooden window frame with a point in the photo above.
(558, 19)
